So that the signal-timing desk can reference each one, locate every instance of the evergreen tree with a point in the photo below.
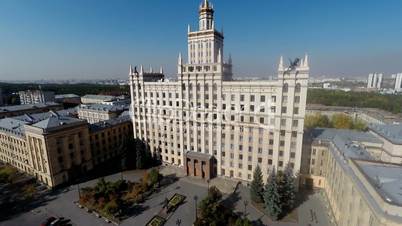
(272, 197)
(257, 187)
(289, 188)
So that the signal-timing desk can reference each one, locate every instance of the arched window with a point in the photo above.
(298, 88)
(285, 88)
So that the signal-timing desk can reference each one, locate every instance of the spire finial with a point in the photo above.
(141, 70)
(180, 60)
(161, 70)
(189, 29)
(281, 67)
(305, 62)
(130, 70)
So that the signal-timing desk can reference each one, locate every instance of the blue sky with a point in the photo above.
(87, 39)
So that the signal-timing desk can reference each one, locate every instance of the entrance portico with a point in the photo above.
(200, 165)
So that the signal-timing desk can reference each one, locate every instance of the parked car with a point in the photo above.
(48, 221)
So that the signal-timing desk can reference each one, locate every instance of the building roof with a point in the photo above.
(46, 120)
(386, 178)
(109, 123)
(104, 107)
(330, 134)
(55, 120)
(27, 107)
(13, 126)
(391, 132)
(61, 96)
(99, 97)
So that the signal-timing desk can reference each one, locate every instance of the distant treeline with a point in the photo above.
(79, 89)
(388, 102)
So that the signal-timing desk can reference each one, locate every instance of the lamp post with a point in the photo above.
(195, 199)
(79, 192)
(245, 202)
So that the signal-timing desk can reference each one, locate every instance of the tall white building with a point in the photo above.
(374, 81)
(398, 82)
(36, 96)
(212, 125)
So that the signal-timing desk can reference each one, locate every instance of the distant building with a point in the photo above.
(360, 188)
(398, 82)
(96, 99)
(374, 81)
(35, 96)
(94, 113)
(69, 100)
(15, 110)
(1, 97)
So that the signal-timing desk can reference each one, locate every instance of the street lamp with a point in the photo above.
(195, 199)
(245, 202)
(79, 192)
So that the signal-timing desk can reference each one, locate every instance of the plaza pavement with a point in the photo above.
(311, 213)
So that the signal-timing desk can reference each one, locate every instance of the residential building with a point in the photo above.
(15, 110)
(359, 187)
(36, 96)
(374, 81)
(206, 114)
(398, 82)
(94, 113)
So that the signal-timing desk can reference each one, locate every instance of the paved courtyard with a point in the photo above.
(311, 213)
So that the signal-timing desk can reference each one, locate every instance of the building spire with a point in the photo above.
(141, 70)
(219, 56)
(130, 70)
(305, 61)
(281, 67)
(180, 60)
(151, 70)
(161, 70)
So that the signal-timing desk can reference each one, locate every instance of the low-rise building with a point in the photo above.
(96, 99)
(94, 113)
(36, 96)
(108, 138)
(391, 136)
(68, 100)
(15, 110)
(57, 148)
(360, 189)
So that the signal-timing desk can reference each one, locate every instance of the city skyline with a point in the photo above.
(70, 39)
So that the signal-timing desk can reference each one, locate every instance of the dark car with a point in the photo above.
(48, 221)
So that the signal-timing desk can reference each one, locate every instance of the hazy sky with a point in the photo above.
(61, 39)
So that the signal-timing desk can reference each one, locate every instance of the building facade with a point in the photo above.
(94, 113)
(36, 96)
(374, 81)
(237, 123)
(398, 82)
(361, 189)
(57, 148)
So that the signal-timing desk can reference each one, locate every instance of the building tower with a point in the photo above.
(212, 125)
